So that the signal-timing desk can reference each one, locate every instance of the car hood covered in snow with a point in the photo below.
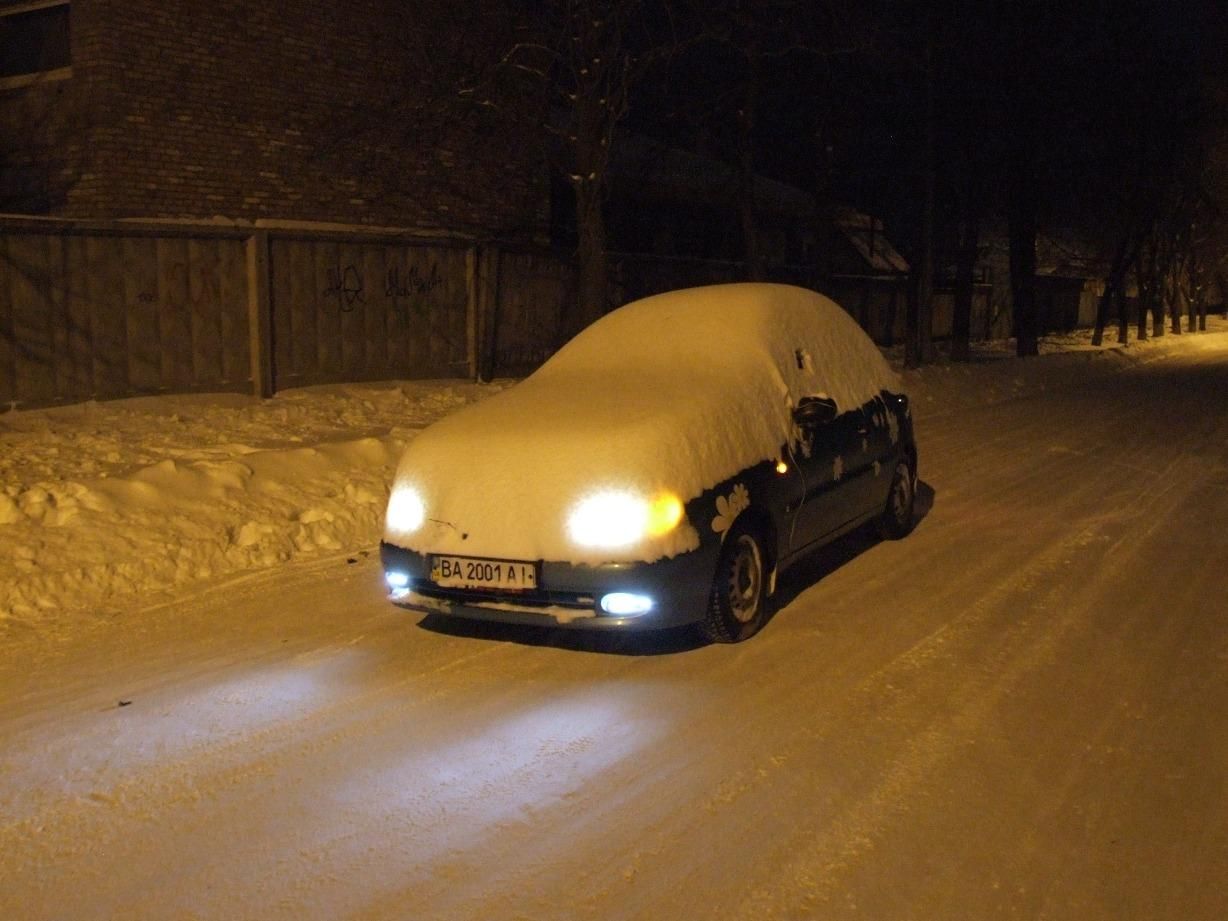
(674, 393)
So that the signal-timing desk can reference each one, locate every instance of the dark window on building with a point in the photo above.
(26, 189)
(33, 40)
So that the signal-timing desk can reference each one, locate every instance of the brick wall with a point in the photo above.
(311, 110)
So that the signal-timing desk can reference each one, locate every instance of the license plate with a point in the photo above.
(472, 572)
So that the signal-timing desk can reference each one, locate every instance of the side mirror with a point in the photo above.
(815, 411)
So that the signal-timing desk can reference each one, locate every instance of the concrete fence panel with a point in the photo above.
(352, 309)
(87, 314)
(532, 292)
(97, 310)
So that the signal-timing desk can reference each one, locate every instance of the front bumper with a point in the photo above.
(568, 595)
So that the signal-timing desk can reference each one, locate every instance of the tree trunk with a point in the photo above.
(1174, 299)
(752, 253)
(1102, 311)
(588, 182)
(919, 340)
(893, 309)
(1142, 294)
(1022, 178)
(1114, 286)
(912, 323)
(1133, 243)
(1022, 229)
(1193, 280)
(1023, 286)
(1154, 295)
(1194, 292)
(1191, 307)
(591, 269)
(965, 267)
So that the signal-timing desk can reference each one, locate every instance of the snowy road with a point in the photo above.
(1018, 712)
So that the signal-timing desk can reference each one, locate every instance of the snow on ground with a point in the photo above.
(106, 504)
(1006, 715)
(103, 503)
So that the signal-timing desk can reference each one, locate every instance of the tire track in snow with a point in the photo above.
(1025, 644)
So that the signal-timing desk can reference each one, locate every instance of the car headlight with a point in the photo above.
(406, 510)
(620, 519)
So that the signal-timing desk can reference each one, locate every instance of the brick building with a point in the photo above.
(303, 110)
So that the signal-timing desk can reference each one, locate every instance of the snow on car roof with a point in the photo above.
(735, 324)
(675, 392)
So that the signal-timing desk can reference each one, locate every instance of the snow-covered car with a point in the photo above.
(660, 469)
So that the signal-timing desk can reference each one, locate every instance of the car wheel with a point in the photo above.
(897, 518)
(738, 605)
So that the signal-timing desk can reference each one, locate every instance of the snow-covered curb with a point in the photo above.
(106, 505)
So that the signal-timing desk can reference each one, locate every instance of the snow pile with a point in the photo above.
(103, 504)
(1066, 360)
(669, 395)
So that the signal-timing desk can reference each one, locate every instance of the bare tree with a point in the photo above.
(586, 56)
(1125, 257)
(919, 325)
(446, 97)
(751, 44)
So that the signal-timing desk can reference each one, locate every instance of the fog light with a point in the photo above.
(625, 604)
(397, 579)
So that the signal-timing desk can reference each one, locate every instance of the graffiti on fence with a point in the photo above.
(407, 292)
(199, 282)
(405, 289)
(207, 292)
(413, 283)
(346, 285)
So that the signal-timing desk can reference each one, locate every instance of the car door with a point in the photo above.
(842, 468)
(865, 460)
(819, 450)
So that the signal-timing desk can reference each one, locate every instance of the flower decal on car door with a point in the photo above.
(730, 507)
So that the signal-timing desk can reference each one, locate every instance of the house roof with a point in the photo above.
(643, 168)
(866, 235)
(669, 172)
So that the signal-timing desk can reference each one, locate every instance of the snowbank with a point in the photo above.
(105, 505)
(994, 374)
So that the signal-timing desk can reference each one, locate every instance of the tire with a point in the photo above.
(897, 518)
(739, 603)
